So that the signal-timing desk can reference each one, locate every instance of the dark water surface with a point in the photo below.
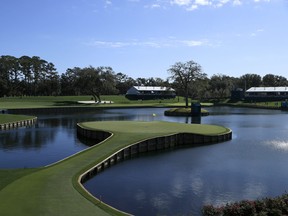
(254, 164)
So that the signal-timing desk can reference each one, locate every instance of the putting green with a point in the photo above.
(154, 127)
(54, 190)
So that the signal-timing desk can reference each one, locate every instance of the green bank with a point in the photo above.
(73, 101)
(10, 118)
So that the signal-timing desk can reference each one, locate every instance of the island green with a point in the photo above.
(55, 189)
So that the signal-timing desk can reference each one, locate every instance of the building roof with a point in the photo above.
(153, 88)
(268, 89)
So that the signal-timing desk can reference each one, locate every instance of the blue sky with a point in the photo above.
(143, 38)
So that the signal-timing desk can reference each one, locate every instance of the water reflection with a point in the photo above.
(54, 137)
(252, 165)
(281, 145)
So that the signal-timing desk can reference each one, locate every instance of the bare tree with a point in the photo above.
(184, 74)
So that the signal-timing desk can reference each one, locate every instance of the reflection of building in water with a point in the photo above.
(150, 93)
(266, 93)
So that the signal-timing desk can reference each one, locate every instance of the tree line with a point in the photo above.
(33, 76)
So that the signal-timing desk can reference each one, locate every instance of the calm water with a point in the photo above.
(252, 165)
(54, 136)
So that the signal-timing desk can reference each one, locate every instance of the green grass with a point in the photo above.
(119, 101)
(268, 104)
(183, 112)
(10, 175)
(153, 128)
(274, 104)
(54, 190)
(68, 101)
(9, 118)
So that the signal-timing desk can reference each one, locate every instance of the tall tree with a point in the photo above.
(250, 80)
(221, 85)
(107, 80)
(69, 81)
(39, 71)
(141, 81)
(96, 81)
(274, 80)
(124, 82)
(9, 75)
(49, 83)
(200, 88)
(24, 75)
(183, 75)
(26, 69)
(3, 79)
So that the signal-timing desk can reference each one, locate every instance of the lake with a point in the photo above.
(252, 165)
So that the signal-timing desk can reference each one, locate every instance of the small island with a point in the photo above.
(183, 112)
(126, 139)
(9, 121)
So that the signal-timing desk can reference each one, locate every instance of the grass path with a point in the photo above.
(54, 190)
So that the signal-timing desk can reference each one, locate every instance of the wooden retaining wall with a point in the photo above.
(153, 144)
(13, 125)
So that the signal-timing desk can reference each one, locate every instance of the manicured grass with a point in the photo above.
(154, 128)
(9, 118)
(54, 190)
(9, 175)
(267, 105)
(274, 104)
(183, 112)
(68, 101)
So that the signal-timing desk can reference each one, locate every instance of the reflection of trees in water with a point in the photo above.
(40, 134)
(57, 122)
(49, 125)
(71, 122)
(26, 138)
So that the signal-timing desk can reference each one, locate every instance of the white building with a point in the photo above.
(266, 93)
(150, 92)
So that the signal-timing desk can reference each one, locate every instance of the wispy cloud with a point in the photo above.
(162, 43)
(188, 5)
(154, 6)
(254, 33)
(181, 2)
(194, 43)
(107, 3)
(257, 32)
(262, 0)
(196, 4)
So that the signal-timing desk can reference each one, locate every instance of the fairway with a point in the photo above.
(73, 101)
(55, 189)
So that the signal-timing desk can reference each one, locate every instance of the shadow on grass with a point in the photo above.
(66, 103)
(9, 175)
